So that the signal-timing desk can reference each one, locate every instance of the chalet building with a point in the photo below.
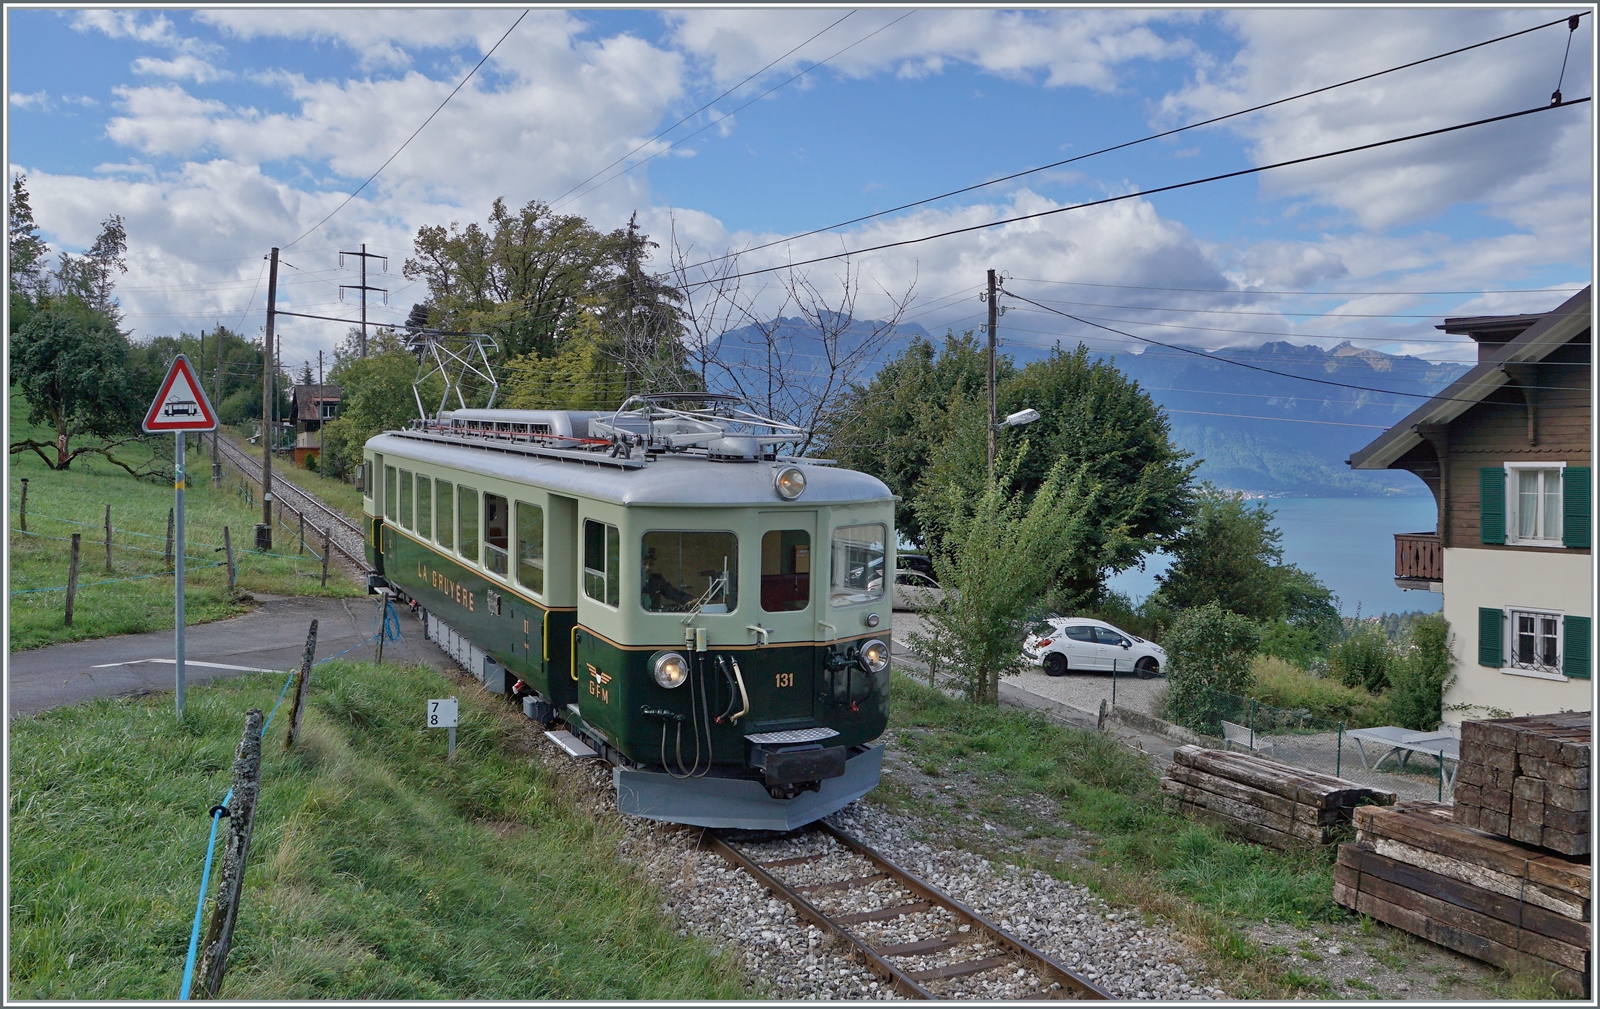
(311, 406)
(1505, 451)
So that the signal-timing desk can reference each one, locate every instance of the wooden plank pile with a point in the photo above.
(1414, 867)
(1262, 800)
(1527, 779)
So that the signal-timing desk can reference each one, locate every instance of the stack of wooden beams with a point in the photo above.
(1413, 867)
(1262, 800)
(1527, 779)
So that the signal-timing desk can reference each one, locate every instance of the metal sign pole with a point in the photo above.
(178, 479)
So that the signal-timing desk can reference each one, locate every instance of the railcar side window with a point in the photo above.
(530, 546)
(366, 479)
(602, 556)
(405, 498)
(444, 496)
(858, 555)
(785, 570)
(679, 569)
(391, 494)
(496, 533)
(424, 506)
(467, 544)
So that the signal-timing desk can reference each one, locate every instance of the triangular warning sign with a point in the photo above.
(181, 405)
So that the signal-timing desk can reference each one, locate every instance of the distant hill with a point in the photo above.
(1261, 433)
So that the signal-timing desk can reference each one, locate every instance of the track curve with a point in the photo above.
(344, 536)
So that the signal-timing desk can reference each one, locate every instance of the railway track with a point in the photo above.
(925, 944)
(344, 536)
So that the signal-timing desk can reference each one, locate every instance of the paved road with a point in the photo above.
(270, 638)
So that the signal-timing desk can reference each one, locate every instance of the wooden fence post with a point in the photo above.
(24, 504)
(108, 539)
(302, 531)
(241, 821)
(302, 686)
(169, 537)
(72, 576)
(324, 556)
(227, 554)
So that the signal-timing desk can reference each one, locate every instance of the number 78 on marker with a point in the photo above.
(442, 713)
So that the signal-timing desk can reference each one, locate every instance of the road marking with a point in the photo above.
(188, 662)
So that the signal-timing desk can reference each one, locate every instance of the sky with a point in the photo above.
(219, 134)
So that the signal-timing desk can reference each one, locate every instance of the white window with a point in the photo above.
(1533, 504)
(1535, 641)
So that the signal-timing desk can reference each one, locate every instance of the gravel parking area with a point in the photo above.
(1085, 690)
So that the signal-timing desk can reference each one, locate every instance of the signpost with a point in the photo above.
(442, 715)
(180, 406)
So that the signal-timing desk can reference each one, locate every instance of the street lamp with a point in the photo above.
(1021, 417)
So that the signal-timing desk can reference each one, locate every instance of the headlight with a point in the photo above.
(790, 483)
(874, 656)
(671, 670)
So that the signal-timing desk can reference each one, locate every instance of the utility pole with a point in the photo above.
(264, 530)
(994, 319)
(200, 376)
(216, 448)
(363, 288)
(321, 393)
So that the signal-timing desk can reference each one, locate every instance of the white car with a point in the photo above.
(1081, 645)
(915, 591)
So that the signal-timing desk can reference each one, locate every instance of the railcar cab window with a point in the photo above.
(785, 570)
(602, 561)
(444, 496)
(858, 556)
(391, 493)
(467, 542)
(496, 533)
(530, 546)
(366, 479)
(405, 498)
(424, 506)
(680, 569)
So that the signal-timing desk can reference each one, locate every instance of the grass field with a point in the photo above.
(377, 869)
(136, 595)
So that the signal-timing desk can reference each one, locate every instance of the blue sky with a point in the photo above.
(219, 134)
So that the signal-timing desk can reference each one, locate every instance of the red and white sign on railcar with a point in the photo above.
(181, 405)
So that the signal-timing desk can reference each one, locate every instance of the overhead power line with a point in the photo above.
(414, 133)
(1311, 294)
(701, 109)
(1141, 140)
(741, 108)
(1134, 195)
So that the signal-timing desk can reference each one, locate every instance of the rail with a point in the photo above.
(344, 536)
(923, 968)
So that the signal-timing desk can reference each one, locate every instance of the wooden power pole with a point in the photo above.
(994, 319)
(264, 530)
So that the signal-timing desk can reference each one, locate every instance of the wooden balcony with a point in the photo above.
(1418, 561)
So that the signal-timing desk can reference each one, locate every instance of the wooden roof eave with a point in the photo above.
(1535, 344)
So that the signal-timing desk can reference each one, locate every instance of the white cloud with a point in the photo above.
(184, 67)
(384, 39)
(37, 101)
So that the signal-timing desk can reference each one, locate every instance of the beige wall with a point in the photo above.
(1553, 579)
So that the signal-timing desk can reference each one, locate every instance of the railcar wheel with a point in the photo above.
(1055, 664)
(1146, 667)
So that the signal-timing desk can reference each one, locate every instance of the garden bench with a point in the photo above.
(1242, 735)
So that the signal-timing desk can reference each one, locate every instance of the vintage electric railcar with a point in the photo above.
(708, 615)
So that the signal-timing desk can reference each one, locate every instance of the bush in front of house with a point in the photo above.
(1209, 650)
(1419, 673)
(1362, 659)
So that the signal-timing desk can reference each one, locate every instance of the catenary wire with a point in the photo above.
(702, 108)
(414, 133)
(1312, 294)
(757, 98)
(1134, 195)
(1131, 143)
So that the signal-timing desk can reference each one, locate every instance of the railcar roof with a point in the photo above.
(672, 480)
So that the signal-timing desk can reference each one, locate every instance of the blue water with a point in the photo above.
(1346, 542)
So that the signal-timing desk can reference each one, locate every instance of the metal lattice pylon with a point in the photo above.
(452, 356)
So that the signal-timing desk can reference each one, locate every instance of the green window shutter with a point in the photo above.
(1575, 494)
(1492, 505)
(1490, 651)
(1575, 649)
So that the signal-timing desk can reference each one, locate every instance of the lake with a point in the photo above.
(1346, 542)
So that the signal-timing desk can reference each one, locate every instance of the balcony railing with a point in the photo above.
(1418, 557)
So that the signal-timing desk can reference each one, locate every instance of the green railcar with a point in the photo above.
(708, 615)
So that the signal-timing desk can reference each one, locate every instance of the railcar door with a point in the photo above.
(784, 685)
(561, 594)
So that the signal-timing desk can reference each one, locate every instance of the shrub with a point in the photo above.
(1295, 644)
(1284, 685)
(1420, 672)
(1209, 649)
(1362, 660)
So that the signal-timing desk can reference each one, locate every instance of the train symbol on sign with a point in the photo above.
(181, 408)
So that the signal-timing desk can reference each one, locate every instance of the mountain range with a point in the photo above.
(1274, 420)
